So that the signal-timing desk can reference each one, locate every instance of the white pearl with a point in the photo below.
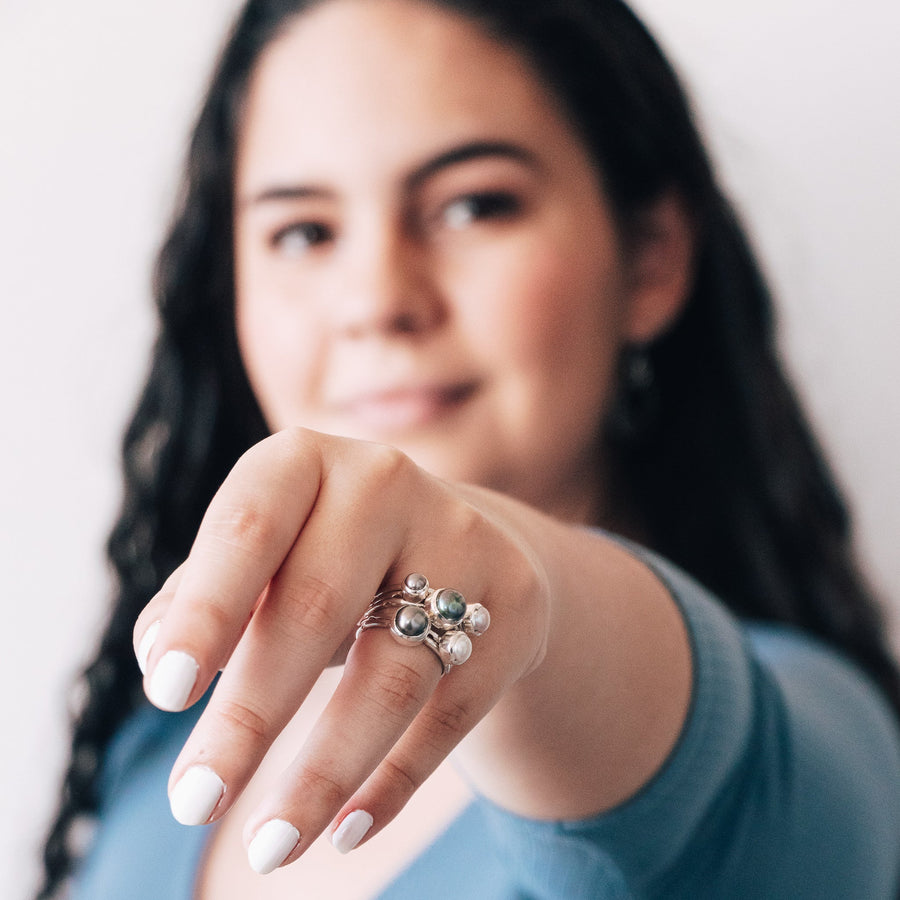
(458, 647)
(480, 620)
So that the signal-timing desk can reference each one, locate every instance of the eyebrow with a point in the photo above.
(453, 157)
(285, 192)
(468, 152)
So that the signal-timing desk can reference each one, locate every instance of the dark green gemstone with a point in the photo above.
(450, 604)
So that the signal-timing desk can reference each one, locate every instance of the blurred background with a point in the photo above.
(799, 99)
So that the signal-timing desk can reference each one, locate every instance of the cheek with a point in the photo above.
(560, 312)
(277, 336)
(277, 352)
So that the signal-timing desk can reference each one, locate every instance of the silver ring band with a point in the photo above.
(440, 619)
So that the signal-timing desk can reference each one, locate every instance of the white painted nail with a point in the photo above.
(196, 795)
(146, 645)
(272, 845)
(351, 831)
(173, 680)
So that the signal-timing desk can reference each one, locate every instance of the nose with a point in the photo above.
(390, 288)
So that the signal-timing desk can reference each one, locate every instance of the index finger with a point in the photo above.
(247, 531)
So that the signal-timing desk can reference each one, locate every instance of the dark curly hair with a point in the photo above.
(724, 476)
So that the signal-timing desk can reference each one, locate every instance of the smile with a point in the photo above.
(407, 407)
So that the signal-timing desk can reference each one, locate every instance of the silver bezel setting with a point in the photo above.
(450, 639)
(403, 636)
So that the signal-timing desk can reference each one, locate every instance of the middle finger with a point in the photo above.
(309, 608)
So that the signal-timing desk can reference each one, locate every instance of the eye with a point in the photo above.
(472, 208)
(300, 237)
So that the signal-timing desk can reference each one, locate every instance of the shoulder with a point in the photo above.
(808, 797)
(785, 781)
(826, 735)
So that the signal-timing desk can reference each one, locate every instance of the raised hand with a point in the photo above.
(296, 543)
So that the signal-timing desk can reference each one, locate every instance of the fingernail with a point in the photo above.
(146, 645)
(351, 831)
(272, 845)
(173, 680)
(196, 795)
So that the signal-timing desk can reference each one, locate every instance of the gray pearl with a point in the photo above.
(415, 584)
(411, 621)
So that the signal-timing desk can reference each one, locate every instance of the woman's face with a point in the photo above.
(424, 255)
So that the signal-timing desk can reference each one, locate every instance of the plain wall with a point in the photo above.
(799, 98)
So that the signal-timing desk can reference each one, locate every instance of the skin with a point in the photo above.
(431, 295)
(426, 283)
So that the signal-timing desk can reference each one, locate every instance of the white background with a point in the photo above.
(799, 98)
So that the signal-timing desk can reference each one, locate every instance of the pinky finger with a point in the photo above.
(425, 745)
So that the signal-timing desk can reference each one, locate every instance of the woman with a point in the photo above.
(450, 282)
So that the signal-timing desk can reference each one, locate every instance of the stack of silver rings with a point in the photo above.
(416, 613)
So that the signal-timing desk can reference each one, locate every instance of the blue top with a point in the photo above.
(785, 783)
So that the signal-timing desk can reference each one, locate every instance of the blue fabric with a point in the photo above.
(785, 783)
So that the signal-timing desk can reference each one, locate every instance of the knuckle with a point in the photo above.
(397, 780)
(297, 442)
(313, 604)
(290, 440)
(396, 690)
(245, 527)
(444, 721)
(294, 436)
(324, 785)
(470, 524)
(385, 466)
(217, 620)
(244, 722)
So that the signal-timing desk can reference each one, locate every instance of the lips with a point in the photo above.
(406, 407)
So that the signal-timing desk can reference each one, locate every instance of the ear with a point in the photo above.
(661, 269)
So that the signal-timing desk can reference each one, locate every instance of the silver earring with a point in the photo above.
(635, 409)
